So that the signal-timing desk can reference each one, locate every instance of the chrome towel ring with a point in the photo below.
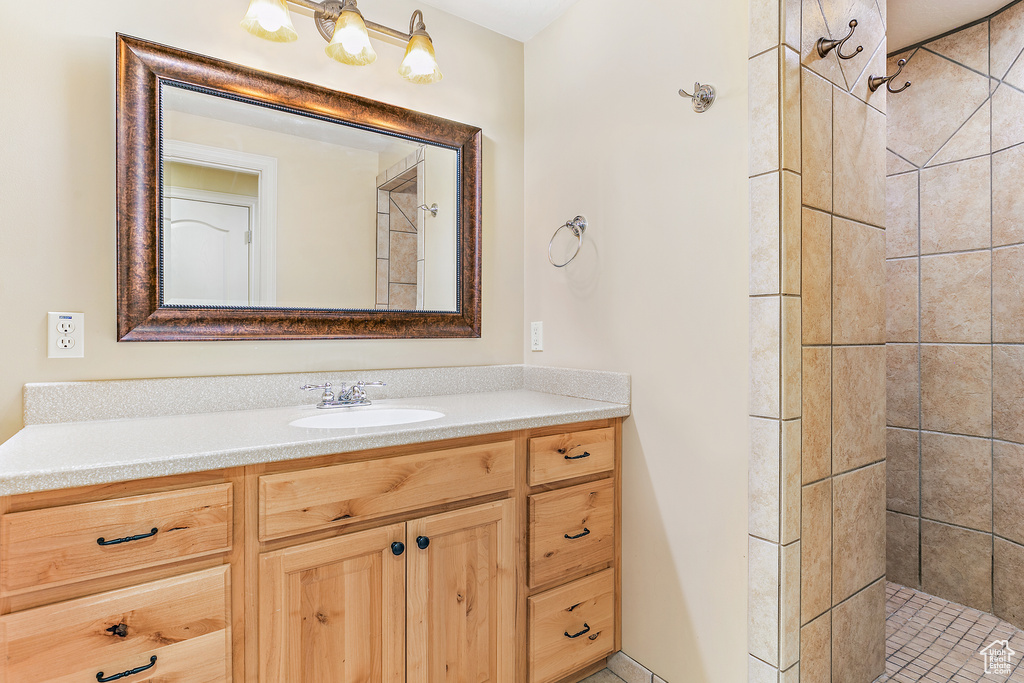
(577, 226)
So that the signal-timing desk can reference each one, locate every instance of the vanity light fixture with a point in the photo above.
(343, 27)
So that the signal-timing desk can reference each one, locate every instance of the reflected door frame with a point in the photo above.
(263, 245)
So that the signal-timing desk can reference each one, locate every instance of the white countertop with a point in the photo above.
(58, 456)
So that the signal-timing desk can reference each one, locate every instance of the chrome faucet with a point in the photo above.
(348, 395)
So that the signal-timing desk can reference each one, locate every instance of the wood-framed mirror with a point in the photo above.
(254, 206)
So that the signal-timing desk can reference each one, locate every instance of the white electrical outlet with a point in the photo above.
(65, 335)
(537, 336)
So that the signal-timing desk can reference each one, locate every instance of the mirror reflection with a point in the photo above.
(266, 208)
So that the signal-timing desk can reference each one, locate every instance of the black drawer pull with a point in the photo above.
(422, 542)
(103, 541)
(586, 629)
(397, 547)
(125, 674)
(585, 532)
(586, 454)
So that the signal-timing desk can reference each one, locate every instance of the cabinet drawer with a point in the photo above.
(571, 626)
(571, 530)
(182, 621)
(575, 454)
(296, 502)
(61, 545)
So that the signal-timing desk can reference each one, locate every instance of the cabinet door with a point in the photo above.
(461, 596)
(334, 611)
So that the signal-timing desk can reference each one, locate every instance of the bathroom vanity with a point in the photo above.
(487, 557)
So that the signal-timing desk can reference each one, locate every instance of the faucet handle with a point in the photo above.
(371, 384)
(326, 386)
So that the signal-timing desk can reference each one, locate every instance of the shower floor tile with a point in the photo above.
(937, 641)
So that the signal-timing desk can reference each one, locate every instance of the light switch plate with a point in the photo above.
(65, 335)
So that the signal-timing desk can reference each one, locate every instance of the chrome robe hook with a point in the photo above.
(825, 45)
(875, 82)
(703, 97)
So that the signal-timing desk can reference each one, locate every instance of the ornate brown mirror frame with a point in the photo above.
(141, 68)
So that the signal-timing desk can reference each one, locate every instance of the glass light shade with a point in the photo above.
(270, 19)
(351, 43)
(420, 65)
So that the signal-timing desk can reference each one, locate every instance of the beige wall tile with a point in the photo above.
(924, 117)
(382, 281)
(901, 311)
(1008, 393)
(894, 164)
(764, 33)
(902, 483)
(790, 675)
(759, 672)
(968, 47)
(816, 551)
(765, 356)
(859, 166)
(858, 530)
(403, 258)
(956, 298)
(1007, 487)
(902, 385)
(956, 564)
(876, 67)
(816, 134)
(816, 650)
(791, 483)
(1007, 198)
(763, 477)
(817, 413)
(402, 297)
(763, 112)
(858, 636)
(791, 11)
(816, 277)
(791, 357)
(814, 28)
(956, 480)
(858, 406)
(972, 140)
(791, 233)
(870, 31)
(956, 389)
(1008, 576)
(765, 236)
(628, 669)
(858, 283)
(901, 215)
(789, 67)
(1008, 294)
(1007, 125)
(1007, 39)
(956, 206)
(902, 549)
(789, 601)
(763, 600)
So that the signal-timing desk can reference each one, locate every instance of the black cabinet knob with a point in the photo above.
(398, 547)
(422, 542)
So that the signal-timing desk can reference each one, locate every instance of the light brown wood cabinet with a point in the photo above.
(491, 559)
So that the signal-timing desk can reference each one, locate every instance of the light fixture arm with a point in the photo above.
(326, 13)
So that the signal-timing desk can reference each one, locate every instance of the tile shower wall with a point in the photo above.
(399, 238)
(955, 318)
(817, 319)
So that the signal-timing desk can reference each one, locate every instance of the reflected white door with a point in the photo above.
(206, 254)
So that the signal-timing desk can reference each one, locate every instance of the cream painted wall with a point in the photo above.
(57, 173)
(659, 291)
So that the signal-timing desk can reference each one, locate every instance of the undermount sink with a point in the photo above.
(349, 418)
